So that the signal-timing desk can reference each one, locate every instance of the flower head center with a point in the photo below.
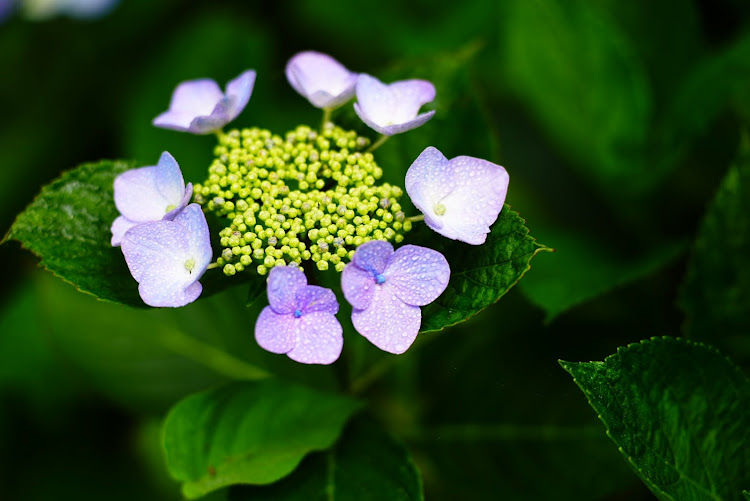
(440, 209)
(297, 313)
(189, 265)
(170, 208)
(380, 278)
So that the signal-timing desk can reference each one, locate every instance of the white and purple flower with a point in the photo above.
(322, 80)
(199, 106)
(168, 257)
(394, 108)
(460, 198)
(386, 289)
(149, 194)
(300, 320)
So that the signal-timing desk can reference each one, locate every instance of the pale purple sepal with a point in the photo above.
(460, 198)
(168, 257)
(199, 106)
(392, 109)
(149, 194)
(300, 320)
(386, 289)
(322, 80)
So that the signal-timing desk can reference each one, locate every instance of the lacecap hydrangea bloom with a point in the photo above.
(149, 194)
(460, 198)
(200, 107)
(386, 289)
(322, 80)
(393, 108)
(300, 319)
(168, 257)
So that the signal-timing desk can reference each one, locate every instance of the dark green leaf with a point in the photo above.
(249, 433)
(580, 76)
(366, 464)
(679, 412)
(581, 270)
(482, 274)
(68, 227)
(716, 292)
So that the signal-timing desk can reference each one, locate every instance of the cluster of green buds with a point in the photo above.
(312, 196)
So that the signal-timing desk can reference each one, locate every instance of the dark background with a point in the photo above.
(616, 121)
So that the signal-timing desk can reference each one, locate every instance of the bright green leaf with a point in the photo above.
(579, 75)
(716, 292)
(366, 464)
(482, 274)
(68, 227)
(581, 270)
(679, 412)
(249, 433)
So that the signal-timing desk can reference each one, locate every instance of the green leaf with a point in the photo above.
(582, 270)
(68, 227)
(366, 464)
(679, 412)
(579, 75)
(249, 433)
(716, 293)
(482, 274)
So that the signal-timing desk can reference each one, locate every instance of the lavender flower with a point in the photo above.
(460, 198)
(391, 109)
(199, 106)
(300, 319)
(149, 194)
(167, 258)
(386, 289)
(322, 80)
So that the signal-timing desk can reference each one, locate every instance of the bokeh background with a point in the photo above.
(616, 121)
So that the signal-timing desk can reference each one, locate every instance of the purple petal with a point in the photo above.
(418, 275)
(168, 257)
(275, 332)
(373, 256)
(474, 203)
(319, 339)
(391, 109)
(388, 323)
(191, 99)
(358, 286)
(149, 193)
(313, 298)
(239, 91)
(119, 227)
(321, 79)
(283, 284)
(428, 180)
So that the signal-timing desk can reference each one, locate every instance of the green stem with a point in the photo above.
(219, 134)
(415, 219)
(326, 118)
(211, 357)
(212, 266)
(377, 144)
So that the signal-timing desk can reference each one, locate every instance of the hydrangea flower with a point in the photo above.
(149, 194)
(322, 80)
(391, 109)
(199, 106)
(460, 198)
(300, 319)
(386, 289)
(167, 258)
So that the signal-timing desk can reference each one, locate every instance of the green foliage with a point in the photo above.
(68, 227)
(582, 270)
(482, 274)
(582, 79)
(366, 464)
(716, 292)
(678, 411)
(249, 433)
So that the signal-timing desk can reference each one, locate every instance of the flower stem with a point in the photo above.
(219, 134)
(415, 219)
(377, 144)
(326, 118)
(212, 266)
